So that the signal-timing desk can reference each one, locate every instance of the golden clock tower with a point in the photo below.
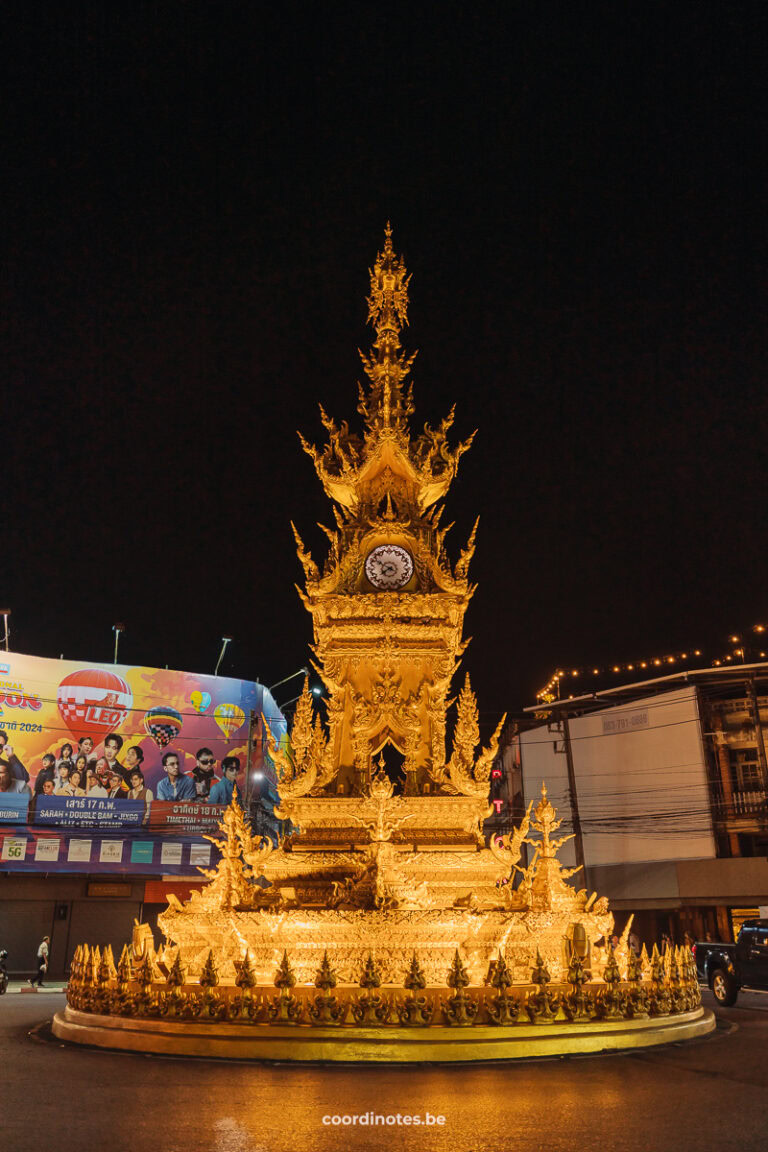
(405, 880)
(388, 606)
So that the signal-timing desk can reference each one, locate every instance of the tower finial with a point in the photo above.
(387, 365)
(388, 301)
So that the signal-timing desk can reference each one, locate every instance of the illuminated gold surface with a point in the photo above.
(375, 1045)
(387, 899)
(386, 657)
(368, 870)
(387, 929)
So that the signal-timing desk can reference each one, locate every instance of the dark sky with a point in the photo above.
(192, 196)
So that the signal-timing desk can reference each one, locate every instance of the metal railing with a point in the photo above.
(743, 804)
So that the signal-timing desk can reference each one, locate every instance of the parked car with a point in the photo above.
(728, 967)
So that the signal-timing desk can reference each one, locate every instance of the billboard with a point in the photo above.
(148, 753)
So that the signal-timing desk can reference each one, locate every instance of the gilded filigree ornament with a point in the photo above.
(660, 1000)
(415, 1009)
(464, 772)
(461, 1008)
(504, 1008)
(577, 1004)
(677, 993)
(542, 1004)
(285, 1008)
(139, 989)
(371, 1007)
(611, 999)
(326, 1008)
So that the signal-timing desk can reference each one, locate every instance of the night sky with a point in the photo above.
(192, 196)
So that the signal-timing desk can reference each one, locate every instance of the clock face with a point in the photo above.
(389, 566)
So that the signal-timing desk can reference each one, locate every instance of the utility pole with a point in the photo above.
(575, 818)
(248, 781)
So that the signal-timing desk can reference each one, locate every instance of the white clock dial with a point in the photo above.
(389, 566)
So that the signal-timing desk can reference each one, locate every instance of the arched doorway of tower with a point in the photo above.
(392, 760)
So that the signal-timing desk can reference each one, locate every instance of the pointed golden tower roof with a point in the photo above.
(347, 465)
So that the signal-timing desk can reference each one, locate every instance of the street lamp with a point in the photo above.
(224, 641)
(301, 672)
(5, 613)
(117, 629)
(288, 703)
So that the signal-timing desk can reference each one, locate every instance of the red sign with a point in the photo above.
(93, 701)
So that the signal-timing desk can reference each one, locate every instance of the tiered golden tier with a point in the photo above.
(246, 972)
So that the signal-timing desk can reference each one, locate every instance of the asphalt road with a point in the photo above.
(709, 1095)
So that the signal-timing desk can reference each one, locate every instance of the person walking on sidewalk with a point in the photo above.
(42, 962)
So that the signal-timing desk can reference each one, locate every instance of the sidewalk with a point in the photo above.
(56, 986)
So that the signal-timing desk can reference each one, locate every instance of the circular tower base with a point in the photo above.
(380, 1045)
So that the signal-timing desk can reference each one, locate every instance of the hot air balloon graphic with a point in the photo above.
(93, 701)
(200, 701)
(163, 725)
(229, 718)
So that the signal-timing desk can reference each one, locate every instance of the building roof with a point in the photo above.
(606, 697)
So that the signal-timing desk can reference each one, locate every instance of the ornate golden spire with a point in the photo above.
(349, 465)
(387, 365)
(545, 823)
(387, 643)
(388, 301)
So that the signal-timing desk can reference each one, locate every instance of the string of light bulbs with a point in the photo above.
(567, 677)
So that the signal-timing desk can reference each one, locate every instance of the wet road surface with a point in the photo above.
(706, 1095)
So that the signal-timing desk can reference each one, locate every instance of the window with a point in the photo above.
(747, 766)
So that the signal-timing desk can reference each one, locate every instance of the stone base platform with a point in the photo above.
(383, 1045)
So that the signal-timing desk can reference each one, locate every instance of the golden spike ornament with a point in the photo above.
(415, 1010)
(460, 1009)
(504, 1008)
(542, 1004)
(659, 1002)
(297, 765)
(371, 1007)
(464, 775)
(326, 1009)
(577, 1004)
(611, 1001)
(285, 1008)
(637, 993)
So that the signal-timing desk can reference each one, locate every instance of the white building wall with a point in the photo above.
(640, 778)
